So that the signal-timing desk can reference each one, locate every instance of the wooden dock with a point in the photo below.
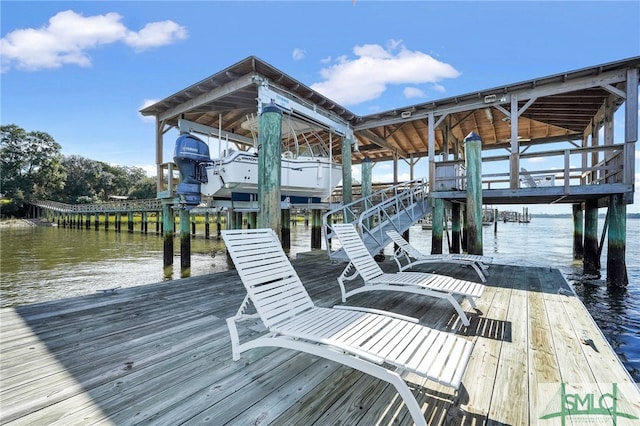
(161, 354)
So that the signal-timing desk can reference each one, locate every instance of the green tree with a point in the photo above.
(83, 179)
(144, 188)
(30, 167)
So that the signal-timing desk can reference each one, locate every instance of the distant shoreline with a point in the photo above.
(24, 223)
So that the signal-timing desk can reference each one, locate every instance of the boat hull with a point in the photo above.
(300, 177)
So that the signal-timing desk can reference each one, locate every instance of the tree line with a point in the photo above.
(32, 167)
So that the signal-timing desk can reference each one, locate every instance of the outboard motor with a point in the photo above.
(191, 155)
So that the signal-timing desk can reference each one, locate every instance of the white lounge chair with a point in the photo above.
(414, 257)
(378, 343)
(362, 263)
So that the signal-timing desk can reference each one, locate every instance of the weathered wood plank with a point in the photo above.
(160, 354)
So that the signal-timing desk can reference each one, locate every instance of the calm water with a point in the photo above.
(41, 263)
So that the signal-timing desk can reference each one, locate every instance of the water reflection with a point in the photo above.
(40, 264)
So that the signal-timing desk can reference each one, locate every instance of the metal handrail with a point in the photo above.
(388, 203)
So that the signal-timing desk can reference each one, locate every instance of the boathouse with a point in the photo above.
(566, 118)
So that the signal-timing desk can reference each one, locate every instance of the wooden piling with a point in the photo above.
(130, 222)
(616, 243)
(455, 228)
(591, 261)
(347, 188)
(167, 231)
(253, 220)
(316, 229)
(578, 232)
(206, 225)
(185, 240)
(269, 167)
(436, 226)
(473, 164)
(286, 229)
(366, 185)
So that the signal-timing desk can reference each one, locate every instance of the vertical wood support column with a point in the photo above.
(118, 222)
(87, 220)
(218, 223)
(436, 226)
(96, 221)
(455, 228)
(366, 168)
(578, 232)
(616, 243)
(106, 221)
(347, 187)
(130, 222)
(167, 231)
(252, 220)
(193, 224)
(473, 164)
(316, 229)
(185, 240)
(269, 174)
(286, 229)
(591, 262)
(144, 227)
(207, 228)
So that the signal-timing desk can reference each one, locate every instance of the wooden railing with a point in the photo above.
(122, 206)
(574, 169)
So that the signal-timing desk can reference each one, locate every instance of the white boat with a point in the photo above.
(307, 170)
(302, 176)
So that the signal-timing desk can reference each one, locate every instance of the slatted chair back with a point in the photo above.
(357, 252)
(266, 272)
(404, 244)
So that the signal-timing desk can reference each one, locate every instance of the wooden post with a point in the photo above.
(269, 167)
(145, 223)
(591, 262)
(436, 226)
(253, 220)
(616, 243)
(106, 221)
(286, 229)
(96, 221)
(316, 229)
(347, 188)
(365, 188)
(473, 164)
(87, 220)
(578, 232)
(463, 217)
(167, 231)
(495, 221)
(193, 224)
(130, 222)
(185, 240)
(455, 228)
(218, 224)
(118, 222)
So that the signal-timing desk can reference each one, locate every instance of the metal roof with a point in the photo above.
(559, 107)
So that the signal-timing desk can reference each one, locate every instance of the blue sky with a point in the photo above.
(81, 71)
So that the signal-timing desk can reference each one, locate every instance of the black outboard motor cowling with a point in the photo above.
(191, 155)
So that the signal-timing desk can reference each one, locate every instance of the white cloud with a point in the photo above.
(298, 54)
(353, 81)
(146, 103)
(413, 92)
(150, 169)
(69, 36)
